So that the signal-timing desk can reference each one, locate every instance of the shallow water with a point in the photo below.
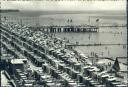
(101, 37)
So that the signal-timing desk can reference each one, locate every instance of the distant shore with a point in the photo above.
(8, 10)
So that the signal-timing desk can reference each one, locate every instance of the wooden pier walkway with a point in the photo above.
(112, 26)
(93, 44)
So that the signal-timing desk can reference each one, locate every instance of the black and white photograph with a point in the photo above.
(63, 43)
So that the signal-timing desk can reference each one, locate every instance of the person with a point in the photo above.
(108, 52)
(109, 64)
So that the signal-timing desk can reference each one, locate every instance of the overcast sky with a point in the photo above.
(65, 5)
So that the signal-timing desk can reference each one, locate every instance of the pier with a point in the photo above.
(94, 44)
(54, 29)
(113, 26)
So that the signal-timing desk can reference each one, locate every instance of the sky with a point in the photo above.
(64, 5)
